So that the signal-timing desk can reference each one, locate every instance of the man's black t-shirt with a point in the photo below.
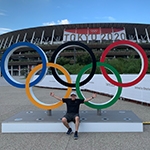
(73, 105)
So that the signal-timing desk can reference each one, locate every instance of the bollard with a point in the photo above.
(99, 112)
(49, 112)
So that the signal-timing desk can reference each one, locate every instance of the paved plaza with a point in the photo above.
(14, 100)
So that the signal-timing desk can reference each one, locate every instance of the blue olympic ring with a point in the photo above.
(9, 52)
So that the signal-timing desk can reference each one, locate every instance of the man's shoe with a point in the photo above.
(69, 131)
(75, 135)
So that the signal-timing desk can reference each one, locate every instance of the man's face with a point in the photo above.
(73, 97)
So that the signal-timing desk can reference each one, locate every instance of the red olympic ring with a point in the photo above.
(143, 57)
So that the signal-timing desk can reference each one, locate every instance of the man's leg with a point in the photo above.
(66, 124)
(77, 121)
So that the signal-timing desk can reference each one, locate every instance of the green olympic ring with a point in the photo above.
(105, 104)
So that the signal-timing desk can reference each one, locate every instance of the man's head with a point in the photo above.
(73, 95)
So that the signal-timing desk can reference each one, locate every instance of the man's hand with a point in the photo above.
(52, 94)
(94, 95)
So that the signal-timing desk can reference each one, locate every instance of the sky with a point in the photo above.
(21, 14)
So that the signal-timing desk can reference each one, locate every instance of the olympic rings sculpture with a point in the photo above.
(45, 64)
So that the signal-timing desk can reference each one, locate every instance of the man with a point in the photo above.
(73, 104)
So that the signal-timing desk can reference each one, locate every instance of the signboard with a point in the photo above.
(96, 34)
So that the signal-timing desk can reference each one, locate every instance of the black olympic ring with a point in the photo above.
(70, 44)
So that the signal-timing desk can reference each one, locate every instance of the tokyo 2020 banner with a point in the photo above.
(94, 34)
(68, 83)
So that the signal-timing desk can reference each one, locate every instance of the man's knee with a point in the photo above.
(64, 120)
(77, 118)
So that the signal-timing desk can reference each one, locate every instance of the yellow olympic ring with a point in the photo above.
(32, 97)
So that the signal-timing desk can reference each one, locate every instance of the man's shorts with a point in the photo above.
(71, 117)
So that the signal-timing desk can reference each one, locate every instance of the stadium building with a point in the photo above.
(96, 35)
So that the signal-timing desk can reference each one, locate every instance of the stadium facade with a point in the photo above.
(96, 35)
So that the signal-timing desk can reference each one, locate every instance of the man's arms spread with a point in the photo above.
(86, 100)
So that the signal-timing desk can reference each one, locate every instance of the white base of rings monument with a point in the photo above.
(39, 121)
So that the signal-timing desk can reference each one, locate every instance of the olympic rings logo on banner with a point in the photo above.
(45, 64)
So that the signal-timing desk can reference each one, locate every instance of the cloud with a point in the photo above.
(4, 30)
(49, 23)
(109, 18)
(2, 14)
(65, 21)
